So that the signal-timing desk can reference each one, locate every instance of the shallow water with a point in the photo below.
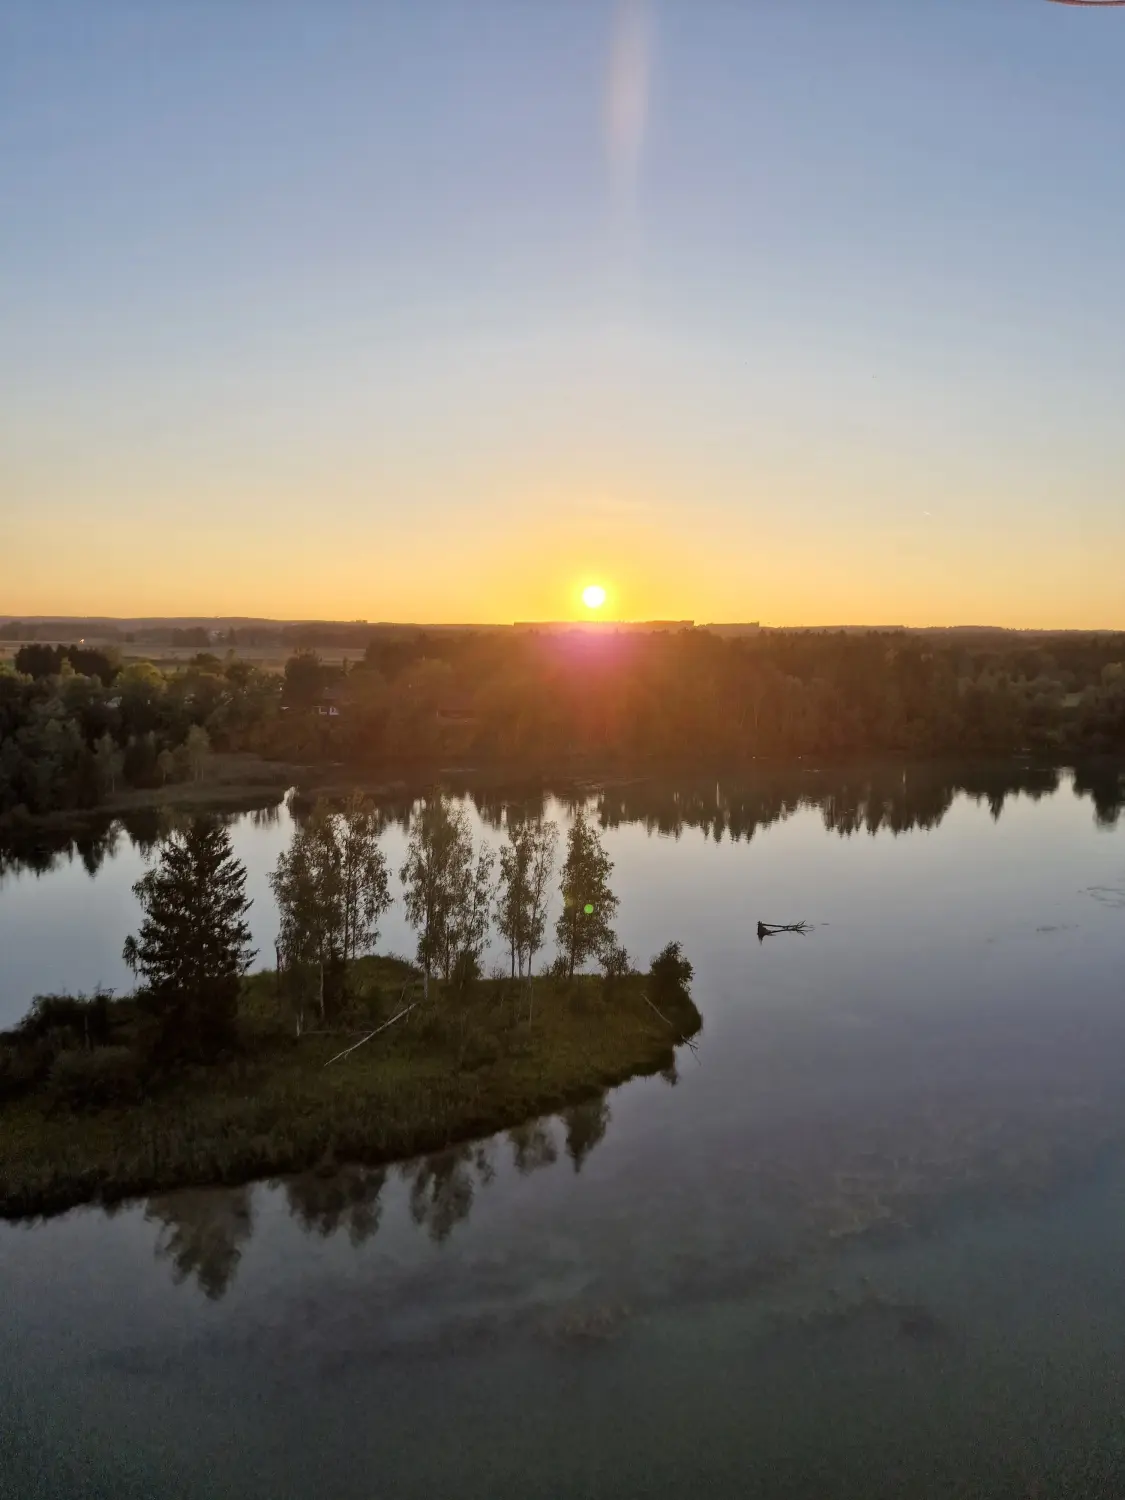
(867, 1242)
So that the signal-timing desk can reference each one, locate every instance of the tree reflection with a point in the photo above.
(870, 799)
(874, 799)
(1104, 784)
(586, 1124)
(347, 1198)
(442, 1187)
(94, 848)
(533, 1146)
(202, 1233)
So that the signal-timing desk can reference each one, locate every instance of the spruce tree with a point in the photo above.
(193, 945)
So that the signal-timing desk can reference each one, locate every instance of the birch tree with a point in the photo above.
(331, 887)
(584, 929)
(448, 895)
(526, 865)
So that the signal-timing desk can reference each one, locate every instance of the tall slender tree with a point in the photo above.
(448, 895)
(364, 882)
(194, 944)
(584, 927)
(472, 913)
(331, 887)
(526, 863)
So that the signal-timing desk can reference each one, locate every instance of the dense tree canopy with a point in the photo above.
(552, 700)
(80, 728)
(692, 696)
(331, 888)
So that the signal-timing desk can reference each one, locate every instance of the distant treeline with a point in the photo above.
(76, 726)
(75, 723)
(322, 635)
(692, 696)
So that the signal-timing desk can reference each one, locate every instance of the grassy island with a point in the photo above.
(464, 1063)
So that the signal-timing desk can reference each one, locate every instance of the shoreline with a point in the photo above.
(463, 1068)
(241, 781)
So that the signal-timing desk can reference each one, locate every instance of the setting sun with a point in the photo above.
(593, 596)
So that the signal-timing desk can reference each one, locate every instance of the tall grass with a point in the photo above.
(457, 1067)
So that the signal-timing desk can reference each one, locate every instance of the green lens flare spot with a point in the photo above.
(588, 909)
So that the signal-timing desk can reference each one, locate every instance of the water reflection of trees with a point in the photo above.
(43, 849)
(201, 1234)
(586, 1125)
(442, 1186)
(884, 799)
(890, 799)
(533, 1146)
(345, 1199)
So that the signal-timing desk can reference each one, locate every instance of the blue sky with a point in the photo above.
(365, 310)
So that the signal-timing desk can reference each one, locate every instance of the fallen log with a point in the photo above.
(770, 929)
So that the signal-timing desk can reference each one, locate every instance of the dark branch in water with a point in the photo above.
(685, 1040)
(770, 929)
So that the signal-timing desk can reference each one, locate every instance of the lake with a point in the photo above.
(865, 1240)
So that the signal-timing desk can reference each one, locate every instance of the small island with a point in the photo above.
(211, 1075)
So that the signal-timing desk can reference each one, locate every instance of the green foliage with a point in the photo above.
(671, 974)
(56, 1026)
(197, 747)
(194, 944)
(614, 960)
(530, 698)
(83, 1018)
(81, 1079)
(448, 898)
(69, 741)
(583, 929)
(442, 1075)
(23, 1065)
(305, 678)
(466, 971)
(39, 660)
(109, 763)
(526, 864)
(331, 888)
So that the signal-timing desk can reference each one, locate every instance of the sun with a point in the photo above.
(593, 596)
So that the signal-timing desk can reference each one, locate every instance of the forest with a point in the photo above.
(78, 724)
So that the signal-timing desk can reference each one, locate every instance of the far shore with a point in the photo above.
(238, 781)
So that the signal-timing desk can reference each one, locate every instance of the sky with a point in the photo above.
(807, 313)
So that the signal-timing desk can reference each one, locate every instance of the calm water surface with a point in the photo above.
(867, 1242)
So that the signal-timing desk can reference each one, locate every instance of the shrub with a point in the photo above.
(466, 970)
(614, 960)
(23, 1066)
(90, 1080)
(671, 973)
(86, 1016)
